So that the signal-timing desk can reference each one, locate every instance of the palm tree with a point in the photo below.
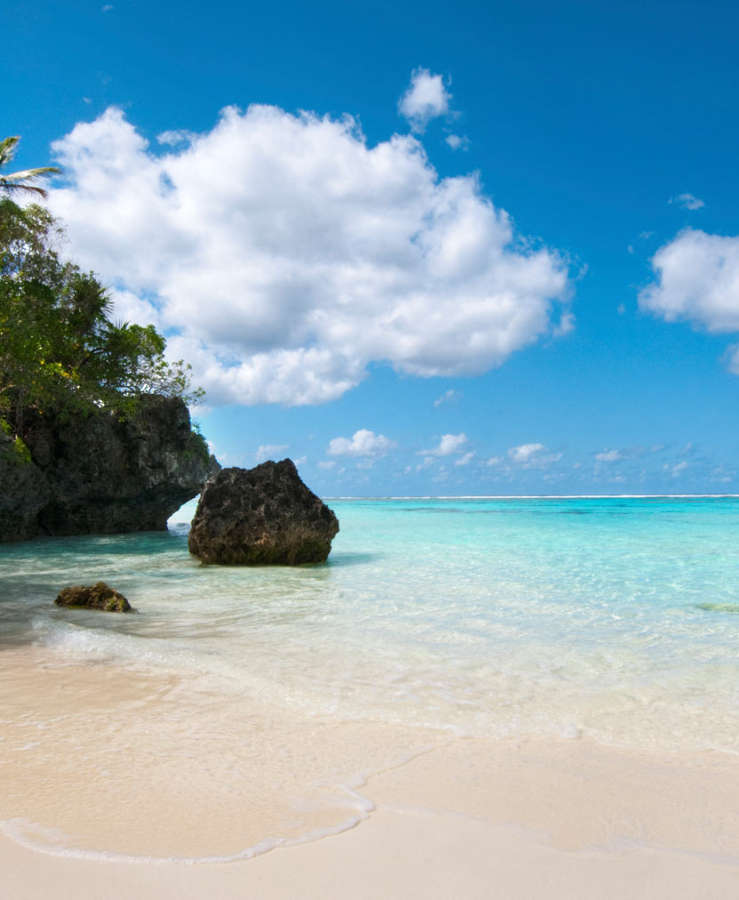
(18, 181)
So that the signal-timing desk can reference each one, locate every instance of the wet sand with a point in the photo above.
(107, 775)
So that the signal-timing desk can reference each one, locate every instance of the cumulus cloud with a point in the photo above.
(449, 443)
(466, 459)
(176, 136)
(697, 279)
(283, 254)
(362, 443)
(524, 452)
(269, 451)
(532, 456)
(425, 99)
(609, 456)
(688, 201)
(129, 307)
(493, 461)
(458, 142)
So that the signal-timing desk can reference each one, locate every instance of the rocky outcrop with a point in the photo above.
(98, 596)
(260, 516)
(24, 490)
(98, 474)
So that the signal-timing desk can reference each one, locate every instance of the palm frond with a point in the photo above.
(28, 174)
(7, 149)
(18, 181)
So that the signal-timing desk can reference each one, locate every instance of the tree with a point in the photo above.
(59, 348)
(19, 181)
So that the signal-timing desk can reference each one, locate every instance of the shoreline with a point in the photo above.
(416, 843)
(535, 817)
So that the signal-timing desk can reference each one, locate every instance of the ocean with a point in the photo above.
(611, 619)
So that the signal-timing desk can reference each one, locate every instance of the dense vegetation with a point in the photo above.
(59, 348)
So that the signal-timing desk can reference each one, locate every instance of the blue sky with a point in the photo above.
(558, 295)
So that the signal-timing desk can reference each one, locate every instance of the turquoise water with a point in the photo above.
(612, 618)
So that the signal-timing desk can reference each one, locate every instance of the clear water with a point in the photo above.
(612, 618)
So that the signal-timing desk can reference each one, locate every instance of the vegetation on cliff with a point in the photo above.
(59, 347)
(95, 434)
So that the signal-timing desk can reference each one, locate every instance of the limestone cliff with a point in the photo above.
(96, 474)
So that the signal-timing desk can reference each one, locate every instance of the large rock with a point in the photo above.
(98, 474)
(259, 516)
(96, 596)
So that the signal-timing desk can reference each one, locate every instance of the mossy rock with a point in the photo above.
(97, 596)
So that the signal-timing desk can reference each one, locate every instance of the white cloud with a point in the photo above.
(449, 443)
(688, 201)
(565, 325)
(425, 99)
(286, 255)
(697, 280)
(176, 136)
(676, 468)
(466, 459)
(458, 142)
(532, 456)
(524, 452)
(269, 451)
(609, 456)
(129, 307)
(493, 461)
(447, 397)
(731, 358)
(362, 443)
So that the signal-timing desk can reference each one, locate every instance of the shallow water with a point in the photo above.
(244, 708)
(609, 618)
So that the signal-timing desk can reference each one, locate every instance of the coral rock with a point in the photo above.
(260, 516)
(98, 596)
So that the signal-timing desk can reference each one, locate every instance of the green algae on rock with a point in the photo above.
(97, 596)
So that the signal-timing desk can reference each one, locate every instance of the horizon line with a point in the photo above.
(537, 497)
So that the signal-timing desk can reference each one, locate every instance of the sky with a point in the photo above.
(482, 249)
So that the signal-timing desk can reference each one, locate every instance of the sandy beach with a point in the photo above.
(413, 813)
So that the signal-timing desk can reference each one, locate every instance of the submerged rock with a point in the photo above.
(97, 596)
(260, 516)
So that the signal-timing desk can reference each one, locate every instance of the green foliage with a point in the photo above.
(197, 446)
(58, 346)
(22, 453)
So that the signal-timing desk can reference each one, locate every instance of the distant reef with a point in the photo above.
(97, 473)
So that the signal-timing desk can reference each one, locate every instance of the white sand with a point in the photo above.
(135, 764)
